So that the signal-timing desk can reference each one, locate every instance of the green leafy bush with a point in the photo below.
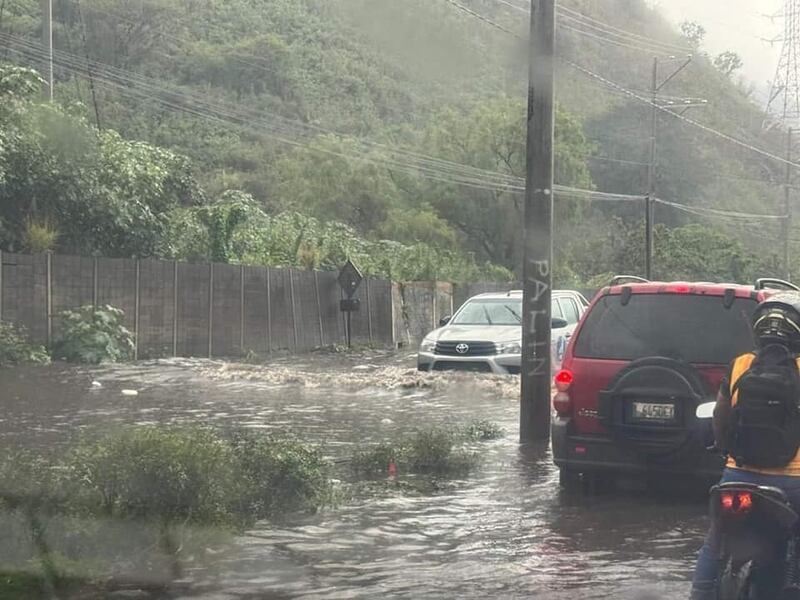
(93, 335)
(15, 347)
(482, 430)
(436, 451)
(39, 236)
(277, 475)
(156, 473)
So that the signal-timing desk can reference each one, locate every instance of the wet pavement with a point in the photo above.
(505, 532)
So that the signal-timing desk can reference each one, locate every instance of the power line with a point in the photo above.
(579, 15)
(613, 37)
(706, 128)
(427, 167)
(613, 42)
(613, 85)
(632, 40)
(618, 160)
(480, 17)
(698, 210)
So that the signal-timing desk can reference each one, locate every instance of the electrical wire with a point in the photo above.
(622, 32)
(698, 210)
(229, 116)
(706, 128)
(613, 85)
(569, 22)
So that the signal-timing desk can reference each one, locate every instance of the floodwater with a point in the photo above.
(505, 532)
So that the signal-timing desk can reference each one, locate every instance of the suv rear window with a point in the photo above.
(695, 329)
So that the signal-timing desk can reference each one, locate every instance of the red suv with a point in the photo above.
(644, 355)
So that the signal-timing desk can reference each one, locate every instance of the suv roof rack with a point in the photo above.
(619, 279)
(766, 283)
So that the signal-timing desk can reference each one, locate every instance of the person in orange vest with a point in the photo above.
(750, 419)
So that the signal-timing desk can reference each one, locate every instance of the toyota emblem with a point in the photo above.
(462, 348)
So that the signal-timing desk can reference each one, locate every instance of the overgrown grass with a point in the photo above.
(15, 348)
(438, 451)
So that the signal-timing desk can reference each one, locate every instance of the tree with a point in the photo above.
(693, 33)
(728, 62)
(492, 137)
(100, 192)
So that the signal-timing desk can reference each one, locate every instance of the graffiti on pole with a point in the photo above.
(539, 281)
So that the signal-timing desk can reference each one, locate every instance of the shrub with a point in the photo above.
(279, 475)
(374, 461)
(161, 474)
(26, 480)
(436, 451)
(481, 431)
(39, 236)
(93, 335)
(15, 347)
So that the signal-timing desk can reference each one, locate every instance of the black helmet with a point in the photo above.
(777, 320)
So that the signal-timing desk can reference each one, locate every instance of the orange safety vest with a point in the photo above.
(740, 365)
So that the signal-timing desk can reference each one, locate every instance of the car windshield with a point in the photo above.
(667, 325)
(503, 311)
(506, 311)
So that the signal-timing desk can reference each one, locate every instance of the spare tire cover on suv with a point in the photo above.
(654, 384)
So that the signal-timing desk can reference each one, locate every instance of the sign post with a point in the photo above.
(349, 279)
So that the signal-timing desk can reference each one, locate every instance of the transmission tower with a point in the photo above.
(783, 106)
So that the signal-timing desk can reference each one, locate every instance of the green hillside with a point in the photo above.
(332, 119)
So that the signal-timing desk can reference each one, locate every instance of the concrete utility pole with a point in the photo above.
(656, 105)
(787, 207)
(534, 423)
(651, 176)
(47, 42)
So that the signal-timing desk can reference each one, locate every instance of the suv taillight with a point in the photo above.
(562, 403)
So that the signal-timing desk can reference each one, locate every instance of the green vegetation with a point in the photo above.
(93, 335)
(437, 451)
(16, 349)
(280, 133)
(148, 499)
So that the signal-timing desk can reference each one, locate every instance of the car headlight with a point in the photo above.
(427, 346)
(510, 348)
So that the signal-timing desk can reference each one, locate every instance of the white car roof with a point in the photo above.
(515, 293)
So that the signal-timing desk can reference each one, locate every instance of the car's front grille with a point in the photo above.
(465, 348)
(472, 365)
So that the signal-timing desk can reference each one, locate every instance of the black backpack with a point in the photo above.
(765, 422)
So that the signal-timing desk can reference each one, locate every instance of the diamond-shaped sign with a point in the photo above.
(350, 278)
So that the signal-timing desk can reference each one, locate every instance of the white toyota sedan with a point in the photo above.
(485, 334)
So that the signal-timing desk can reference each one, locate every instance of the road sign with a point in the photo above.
(350, 278)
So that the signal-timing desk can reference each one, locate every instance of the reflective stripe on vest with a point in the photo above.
(740, 366)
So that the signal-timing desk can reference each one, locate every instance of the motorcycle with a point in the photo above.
(760, 538)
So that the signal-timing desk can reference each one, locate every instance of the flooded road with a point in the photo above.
(505, 532)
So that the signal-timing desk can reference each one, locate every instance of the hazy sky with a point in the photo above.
(737, 25)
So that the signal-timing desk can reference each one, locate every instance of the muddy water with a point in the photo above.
(506, 532)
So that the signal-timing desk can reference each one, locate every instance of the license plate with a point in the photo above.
(653, 411)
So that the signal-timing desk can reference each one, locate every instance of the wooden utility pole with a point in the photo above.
(47, 42)
(537, 269)
(787, 207)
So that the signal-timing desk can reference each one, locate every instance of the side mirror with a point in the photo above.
(558, 323)
(705, 410)
(444, 320)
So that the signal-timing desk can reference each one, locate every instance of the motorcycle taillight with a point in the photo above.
(736, 502)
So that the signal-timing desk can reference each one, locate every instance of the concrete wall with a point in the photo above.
(182, 309)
